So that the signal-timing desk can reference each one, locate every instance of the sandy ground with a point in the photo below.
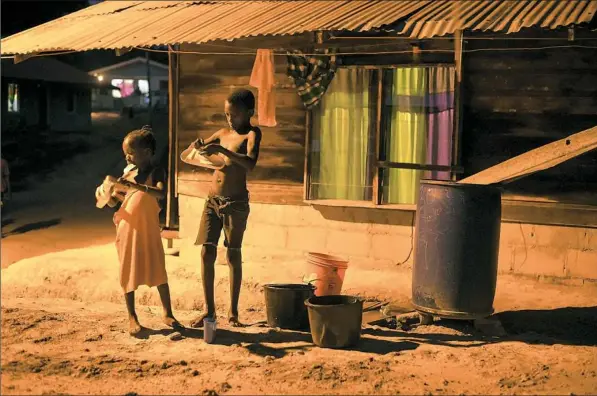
(64, 331)
(64, 322)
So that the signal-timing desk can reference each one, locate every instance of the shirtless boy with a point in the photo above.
(227, 205)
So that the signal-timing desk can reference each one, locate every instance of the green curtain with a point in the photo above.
(407, 137)
(341, 125)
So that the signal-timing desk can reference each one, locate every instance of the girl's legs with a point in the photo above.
(167, 316)
(134, 326)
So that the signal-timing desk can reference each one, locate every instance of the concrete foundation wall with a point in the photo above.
(383, 239)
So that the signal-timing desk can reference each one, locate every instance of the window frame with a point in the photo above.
(455, 168)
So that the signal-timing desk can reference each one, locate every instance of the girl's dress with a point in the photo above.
(138, 241)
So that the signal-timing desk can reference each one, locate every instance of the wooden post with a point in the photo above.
(456, 136)
(172, 139)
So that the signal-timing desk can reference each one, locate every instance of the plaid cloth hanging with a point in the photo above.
(311, 75)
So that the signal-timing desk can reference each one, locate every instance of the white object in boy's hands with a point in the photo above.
(193, 156)
(209, 330)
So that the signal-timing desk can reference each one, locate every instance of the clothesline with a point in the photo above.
(285, 53)
(280, 53)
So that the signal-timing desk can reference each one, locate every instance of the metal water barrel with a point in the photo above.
(457, 239)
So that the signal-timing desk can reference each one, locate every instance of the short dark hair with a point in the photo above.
(243, 98)
(142, 138)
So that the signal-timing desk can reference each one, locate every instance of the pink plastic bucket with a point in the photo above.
(326, 273)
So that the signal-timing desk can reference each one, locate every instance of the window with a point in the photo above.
(143, 86)
(164, 85)
(126, 88)
(14, 104)
(378, 131)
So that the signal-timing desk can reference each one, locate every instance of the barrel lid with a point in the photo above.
(457, 184)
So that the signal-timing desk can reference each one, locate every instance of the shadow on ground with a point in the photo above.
(566, 326)
(570, 326)
(39, 225)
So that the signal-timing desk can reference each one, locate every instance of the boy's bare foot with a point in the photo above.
(171, 321)
(233, 321)
(134, 326)
(198, 321)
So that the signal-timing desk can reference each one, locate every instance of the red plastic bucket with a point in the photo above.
(326, 273)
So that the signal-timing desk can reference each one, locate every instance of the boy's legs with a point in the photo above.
(235, 224)
(235, 261)
(209, 234)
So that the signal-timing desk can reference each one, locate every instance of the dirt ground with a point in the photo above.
(64, 331)
(64, 322)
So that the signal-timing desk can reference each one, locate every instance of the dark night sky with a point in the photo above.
(19, 15)
(22, 14)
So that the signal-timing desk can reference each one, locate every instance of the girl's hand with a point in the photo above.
(122, 182)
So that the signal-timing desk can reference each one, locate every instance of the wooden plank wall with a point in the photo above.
(205, 83)
(515, 101)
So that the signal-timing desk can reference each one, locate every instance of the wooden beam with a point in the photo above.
(172, 136)
(122, 51)
(541, 158)
(22, 58)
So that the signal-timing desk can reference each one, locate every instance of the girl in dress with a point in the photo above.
(138, 239)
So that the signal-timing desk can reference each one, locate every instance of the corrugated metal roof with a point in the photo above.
(121, 24)
(445, 17)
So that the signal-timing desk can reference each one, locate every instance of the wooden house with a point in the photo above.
(421, 89)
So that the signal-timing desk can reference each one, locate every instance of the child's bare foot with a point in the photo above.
(134, 326)
(198, 321)
(233, 320)
(171, 321)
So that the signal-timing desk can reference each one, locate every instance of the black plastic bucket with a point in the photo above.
(335, 321)
(285, 305)
(457, 236)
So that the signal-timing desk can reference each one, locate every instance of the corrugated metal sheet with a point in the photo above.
(121, 24)
(445, 17)
(117, 24)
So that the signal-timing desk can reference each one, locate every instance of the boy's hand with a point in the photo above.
(211, 149)
(198, 143)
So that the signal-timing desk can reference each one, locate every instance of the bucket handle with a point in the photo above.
(310, 282)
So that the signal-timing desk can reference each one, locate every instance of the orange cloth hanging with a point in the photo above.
(263, 78)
